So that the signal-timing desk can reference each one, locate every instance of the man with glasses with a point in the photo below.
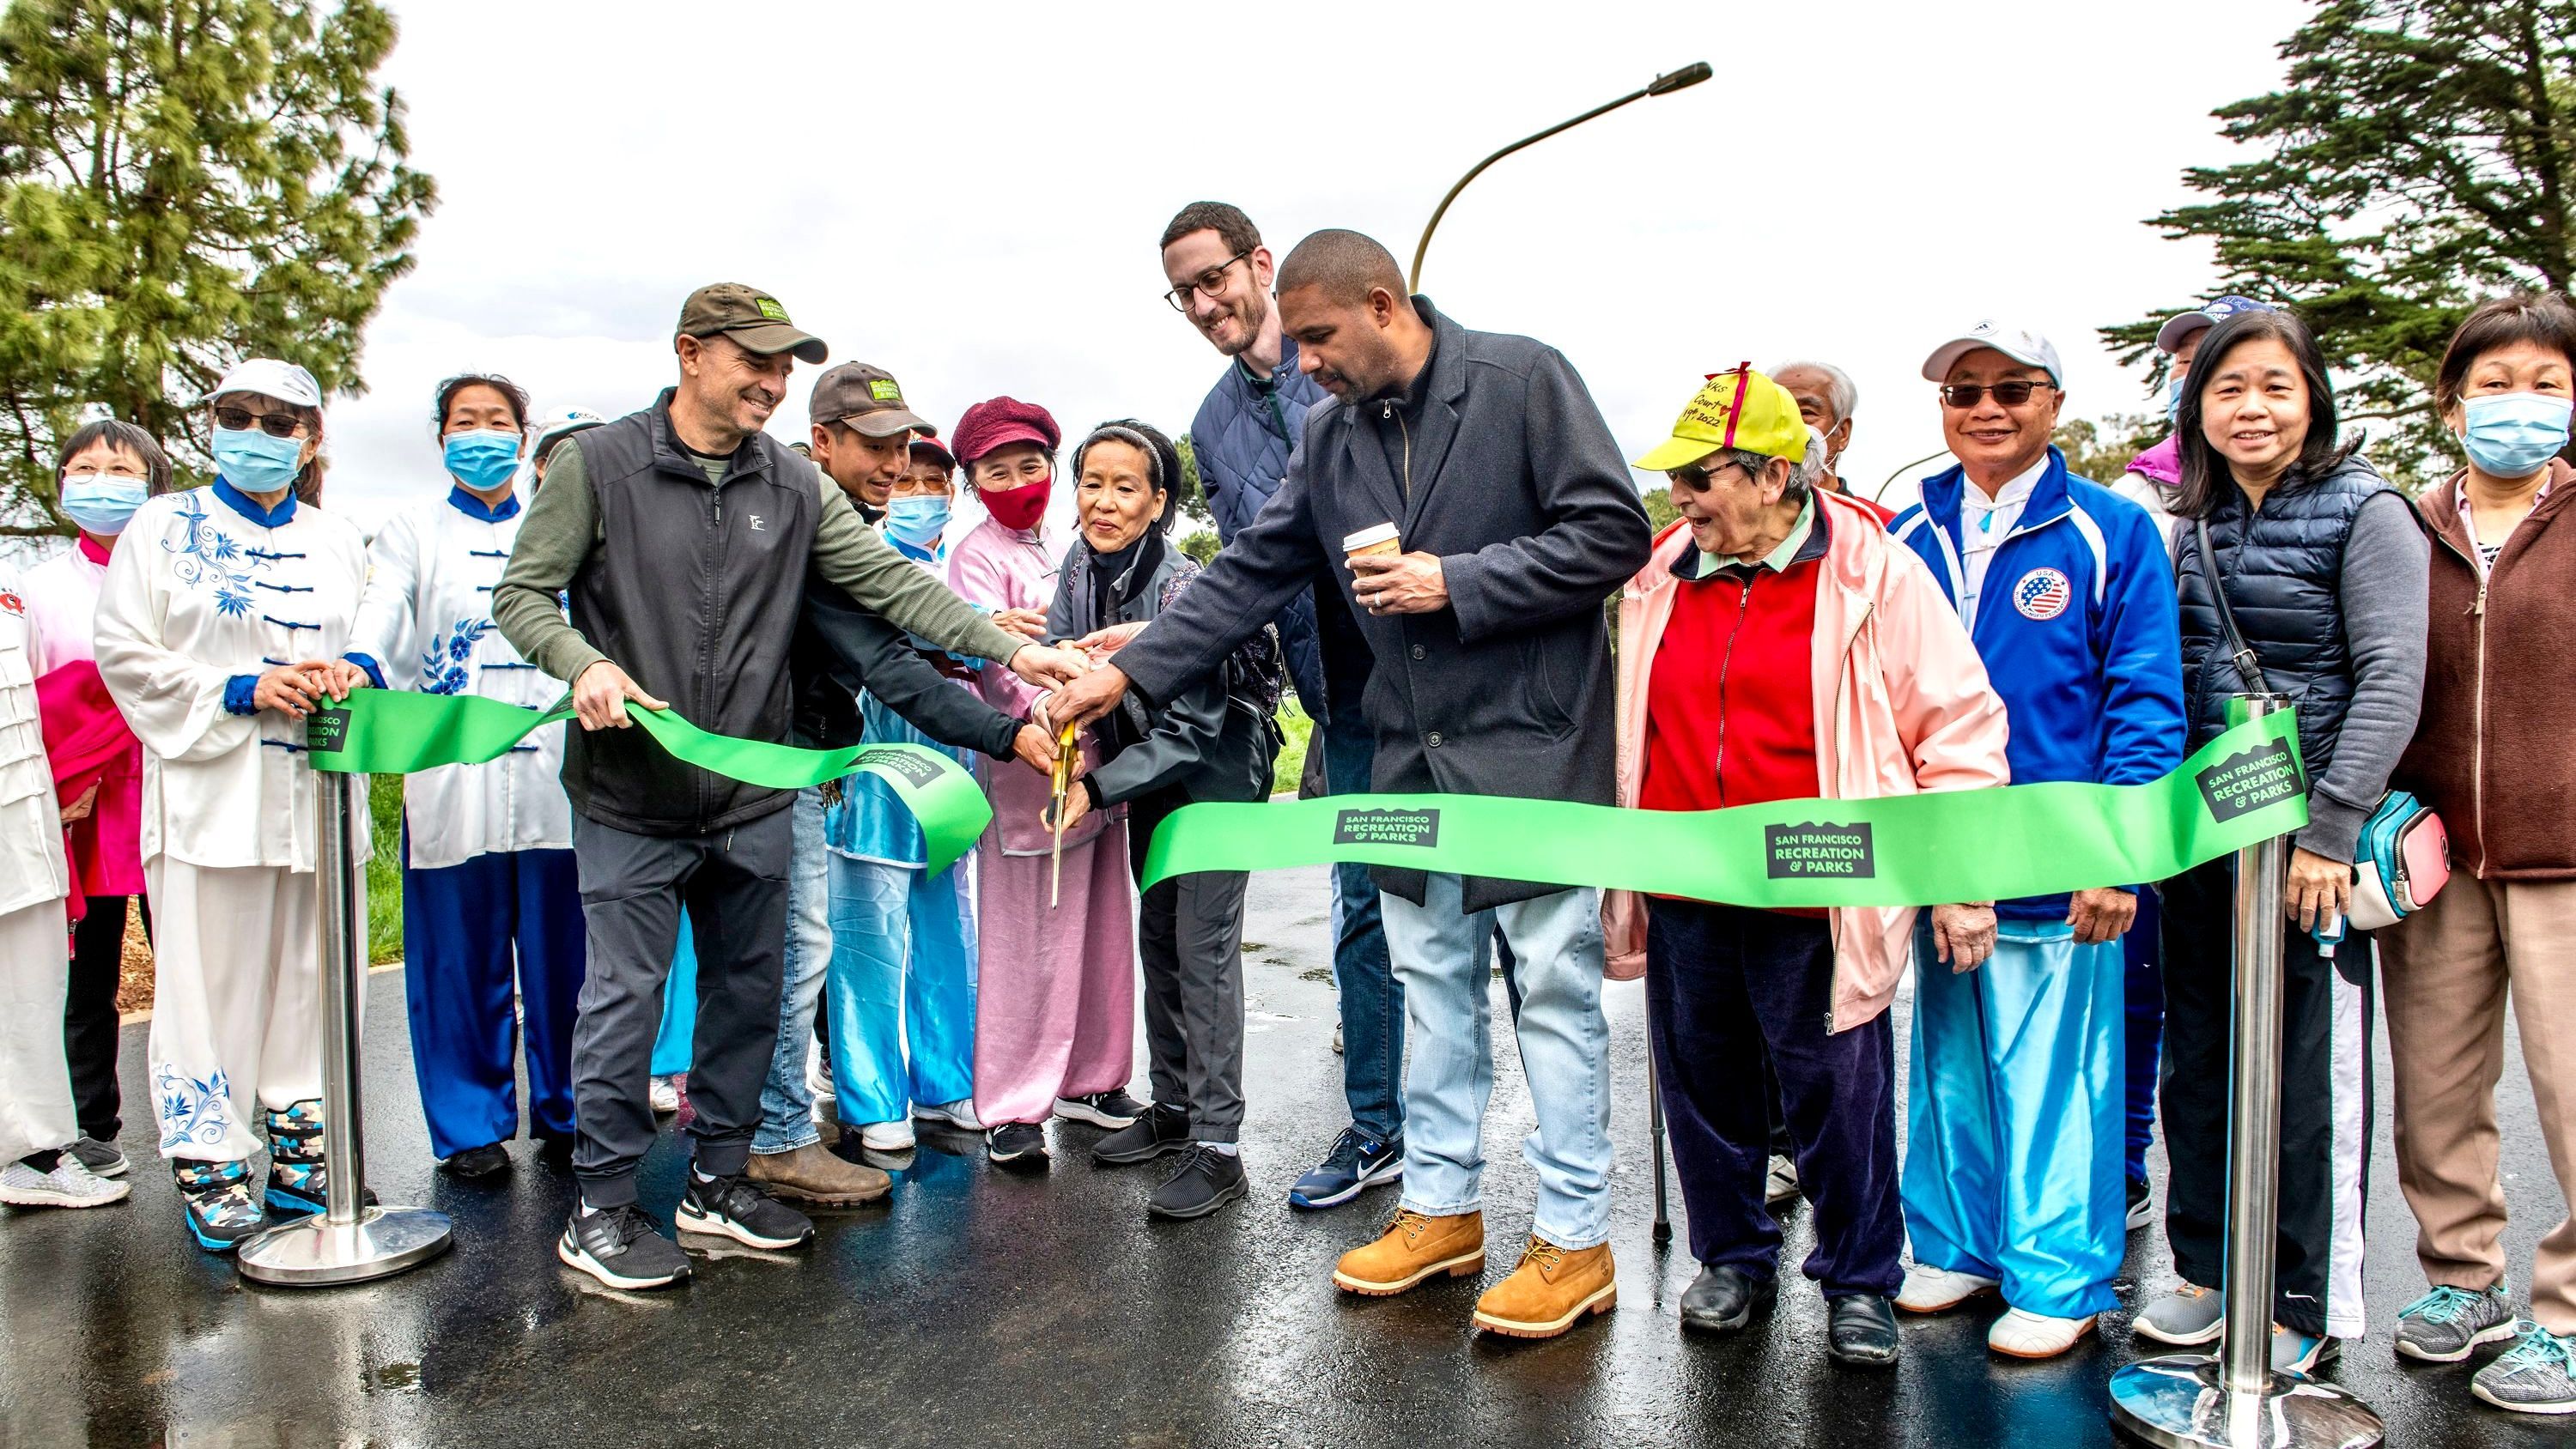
(2065, 589)
(682, 537)
(1251, 422)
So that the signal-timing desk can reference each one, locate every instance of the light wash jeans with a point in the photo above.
(787, 1102)
(1565, 1053)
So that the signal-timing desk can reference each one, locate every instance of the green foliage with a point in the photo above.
(1194, 502)
(1201, 545)
(384, 869)
(183, 184)
(2421, 157)
(1659, 508)
(2101, 450)
(1291, 765)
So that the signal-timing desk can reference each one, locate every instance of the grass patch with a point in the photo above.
(1292, 753)
(384, 869)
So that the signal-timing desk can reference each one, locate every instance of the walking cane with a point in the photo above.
(1655, 1130)
(349, 1241)
(2235, 1400)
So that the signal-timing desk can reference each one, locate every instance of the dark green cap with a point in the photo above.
(752, 318)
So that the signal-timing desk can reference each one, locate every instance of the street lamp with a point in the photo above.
(1662, 85)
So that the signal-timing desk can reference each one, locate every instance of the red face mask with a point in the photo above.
(1021, 507)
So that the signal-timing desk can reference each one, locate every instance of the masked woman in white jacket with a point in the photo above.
(491, 907)
(220, 628)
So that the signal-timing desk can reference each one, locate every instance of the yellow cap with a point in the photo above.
(1739, 408)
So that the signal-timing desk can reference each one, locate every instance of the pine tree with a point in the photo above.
(2420, 158)
(184, 184)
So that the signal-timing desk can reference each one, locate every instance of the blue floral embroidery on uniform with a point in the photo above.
(192, 1111)
(208, 555)
(442, 664)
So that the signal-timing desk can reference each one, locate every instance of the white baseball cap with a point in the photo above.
(2021, 345)
(563, 424)
(269, 377)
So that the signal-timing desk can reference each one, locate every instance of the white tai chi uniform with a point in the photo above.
(205, 593)
(35, 944)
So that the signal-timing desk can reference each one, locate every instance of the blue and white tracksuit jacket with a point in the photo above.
(2014, 1162)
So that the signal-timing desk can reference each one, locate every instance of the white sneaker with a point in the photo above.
(886, 1136)
(959, 1114)
(818, 1073)
(2020, 1334)
(666, 1095)
(1932, 1290)
(1781, 1183)
(70, 1185)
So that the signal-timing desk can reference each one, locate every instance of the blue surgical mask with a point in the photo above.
(484, 459)
(2514, 434)
(2173, 397)
(101, 502)
(254, 462)
(917, 521)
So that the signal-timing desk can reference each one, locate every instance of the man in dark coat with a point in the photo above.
(1515, 519)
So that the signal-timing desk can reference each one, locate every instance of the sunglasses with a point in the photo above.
(276, 425)
(1697, 478)
(2011, 394)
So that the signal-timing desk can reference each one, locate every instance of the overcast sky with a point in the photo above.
(969, 196)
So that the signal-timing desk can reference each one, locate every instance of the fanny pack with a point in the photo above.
(2403, 856)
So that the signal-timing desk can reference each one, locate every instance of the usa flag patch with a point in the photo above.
(2042, 594)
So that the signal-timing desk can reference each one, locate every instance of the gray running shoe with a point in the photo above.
(2188, 1316)
(2535, 1376)
(2447, 1324)
(103, 1158)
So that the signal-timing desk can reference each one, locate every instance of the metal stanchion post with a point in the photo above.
(349, 1242)
(1655, 1130)
(2235, 1400)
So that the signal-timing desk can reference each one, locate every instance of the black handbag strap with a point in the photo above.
(2248, 668)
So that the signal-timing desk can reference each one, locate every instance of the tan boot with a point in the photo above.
(1415, 1247)
(810, 1174)
(1550, 1289)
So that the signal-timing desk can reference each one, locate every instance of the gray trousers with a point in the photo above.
(1189, 930)
(734, 883)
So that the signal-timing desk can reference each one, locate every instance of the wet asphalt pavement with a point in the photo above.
(981, 1308)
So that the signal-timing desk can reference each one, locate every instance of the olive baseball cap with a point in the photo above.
(863, 398)
(752, 318)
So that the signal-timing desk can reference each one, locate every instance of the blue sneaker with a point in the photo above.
(221, 1211)
(1355, 1164)
(296, 1186)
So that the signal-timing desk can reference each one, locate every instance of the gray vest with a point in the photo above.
(693, 590)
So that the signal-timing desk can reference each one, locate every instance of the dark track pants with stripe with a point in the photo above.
(2325, 1104)
(472, 932)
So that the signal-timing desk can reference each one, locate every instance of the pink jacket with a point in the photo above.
(1901, 702)
(1004, 568)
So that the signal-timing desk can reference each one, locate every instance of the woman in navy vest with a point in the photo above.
(2323, 567)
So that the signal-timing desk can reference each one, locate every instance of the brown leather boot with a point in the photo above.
(1416, 1246)
(811, 1174)
(1550, 1289)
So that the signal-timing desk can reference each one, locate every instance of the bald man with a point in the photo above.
(1514, 518)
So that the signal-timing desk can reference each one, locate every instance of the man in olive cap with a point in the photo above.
(681, 538)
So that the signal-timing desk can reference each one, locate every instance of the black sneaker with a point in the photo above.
(620, 1247)
(1016, 1144)
(740, 1209)
(1101, 1109)
(103, 1159)
(1162, 1129)
(1203, 1181)
(2142, 1207)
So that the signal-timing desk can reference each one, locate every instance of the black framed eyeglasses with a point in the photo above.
(1207, 284)
(276, 425)
(2011, 394)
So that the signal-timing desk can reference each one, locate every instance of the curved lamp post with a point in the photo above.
(1662, 85)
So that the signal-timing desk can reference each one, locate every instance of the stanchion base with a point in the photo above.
(311, 1253)
(2180, 1401)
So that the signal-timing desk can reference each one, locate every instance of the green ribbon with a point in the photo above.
(395, 732)
(2244, 787)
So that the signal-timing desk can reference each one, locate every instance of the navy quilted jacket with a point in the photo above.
(1242, 437)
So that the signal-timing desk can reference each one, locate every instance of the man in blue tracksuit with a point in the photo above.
(1252, 420)
(2013, 1173)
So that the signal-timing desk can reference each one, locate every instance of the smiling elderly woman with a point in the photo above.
(1213, 742)
(1779, 645)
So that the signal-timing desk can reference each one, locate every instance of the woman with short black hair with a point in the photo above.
(2288, 537)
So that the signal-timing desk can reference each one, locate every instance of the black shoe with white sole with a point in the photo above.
(1163, 1128)
(738, 1208)
(1112, 1110)
(103, 1159)
(1019, 1145)
(2142, 1205)
(1204, 1181)
(620, 1247)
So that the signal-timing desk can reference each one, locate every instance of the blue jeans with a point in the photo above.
(1565, 1053)
(1372, 999)
(787, 1102)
